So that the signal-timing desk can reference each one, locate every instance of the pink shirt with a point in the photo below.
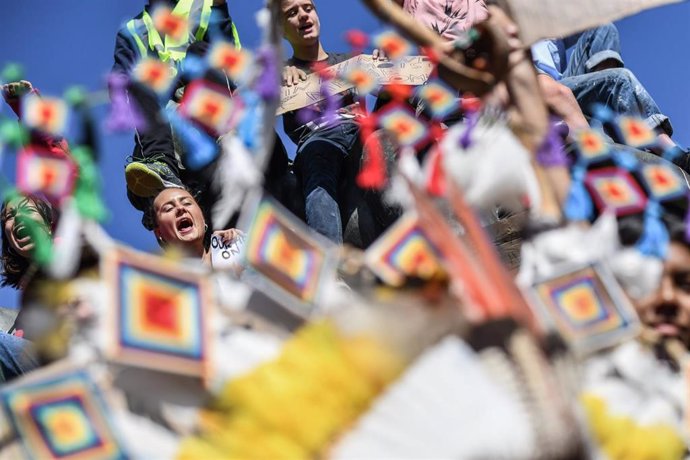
(447, 17)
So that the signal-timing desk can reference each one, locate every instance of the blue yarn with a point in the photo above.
(199, 148)
(655, 238)
(671, 153)
(578, 205)
(603, 113)
(247, 129)
(625, 160)
(193, 67)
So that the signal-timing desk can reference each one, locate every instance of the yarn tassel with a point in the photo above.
(578, 205)
(655, 238)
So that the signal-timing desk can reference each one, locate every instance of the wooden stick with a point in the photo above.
(485, 302)
(488, 256)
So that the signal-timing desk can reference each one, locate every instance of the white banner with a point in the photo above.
(559, 18)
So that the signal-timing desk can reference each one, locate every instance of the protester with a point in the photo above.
(179, 223)
(155, 164)
(590, 64)
(328, 139)
(667, 310)
(17, 242)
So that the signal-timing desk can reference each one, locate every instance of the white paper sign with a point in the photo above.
(226, 256)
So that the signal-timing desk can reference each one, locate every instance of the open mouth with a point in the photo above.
(306, 28)
(21, 235)
(184, 225)
(669, 329)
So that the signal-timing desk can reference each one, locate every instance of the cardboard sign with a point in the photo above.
(226, 256)
(413, 71)
(539, 19)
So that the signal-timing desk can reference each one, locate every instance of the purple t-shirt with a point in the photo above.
(448, 18)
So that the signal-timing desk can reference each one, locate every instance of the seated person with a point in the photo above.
(323, 144)
(594, 72)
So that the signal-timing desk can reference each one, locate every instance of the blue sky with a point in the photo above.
(66, 42)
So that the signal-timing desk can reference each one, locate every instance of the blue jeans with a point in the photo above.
(591, 48)
(319, 164)
(16, 357)
(620, 91)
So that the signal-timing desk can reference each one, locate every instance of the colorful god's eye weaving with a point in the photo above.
(160, 314)
(210, 106)
(404, 251)
(615, 189)
(292, 262)
(588, 308)
(364, 80)
(154, 74)
(439, 98)
(236, 63)
(46, 114)
(407, 129)
(61, 416)
(591, 145)
(635, 132)
(169, 24)
(40, 171)
(661, 182)
(395, 46)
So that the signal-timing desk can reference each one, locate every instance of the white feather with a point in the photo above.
(444, 406)
(67, 247)
(235, 175)
(495, 170)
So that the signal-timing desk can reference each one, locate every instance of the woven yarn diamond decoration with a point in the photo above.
(61, 417)
(40, 171)
(592, 145)
(160, 314)
(588, 308)
(661, 182)
(210, 106)
(287, 256)
(404, 251)
(615, 189)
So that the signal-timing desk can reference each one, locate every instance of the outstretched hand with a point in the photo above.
(16, 89)
(229, 236)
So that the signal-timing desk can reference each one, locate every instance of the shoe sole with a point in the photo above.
(141, 181)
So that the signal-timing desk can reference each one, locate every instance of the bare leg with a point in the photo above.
(562, 102)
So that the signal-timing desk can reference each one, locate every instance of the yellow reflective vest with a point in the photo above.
(166, 48)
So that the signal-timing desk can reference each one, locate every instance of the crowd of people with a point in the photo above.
(561, 104)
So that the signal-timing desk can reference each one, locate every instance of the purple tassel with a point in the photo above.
(466, 138)
(551, 152)
(124, 114)
(267, 84)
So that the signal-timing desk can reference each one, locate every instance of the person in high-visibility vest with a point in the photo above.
(154, 165)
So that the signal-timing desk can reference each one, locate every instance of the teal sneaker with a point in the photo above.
(147, 178)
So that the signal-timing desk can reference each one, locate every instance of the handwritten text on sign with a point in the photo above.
(413, 71)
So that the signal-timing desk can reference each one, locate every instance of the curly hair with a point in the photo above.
(12, 265)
